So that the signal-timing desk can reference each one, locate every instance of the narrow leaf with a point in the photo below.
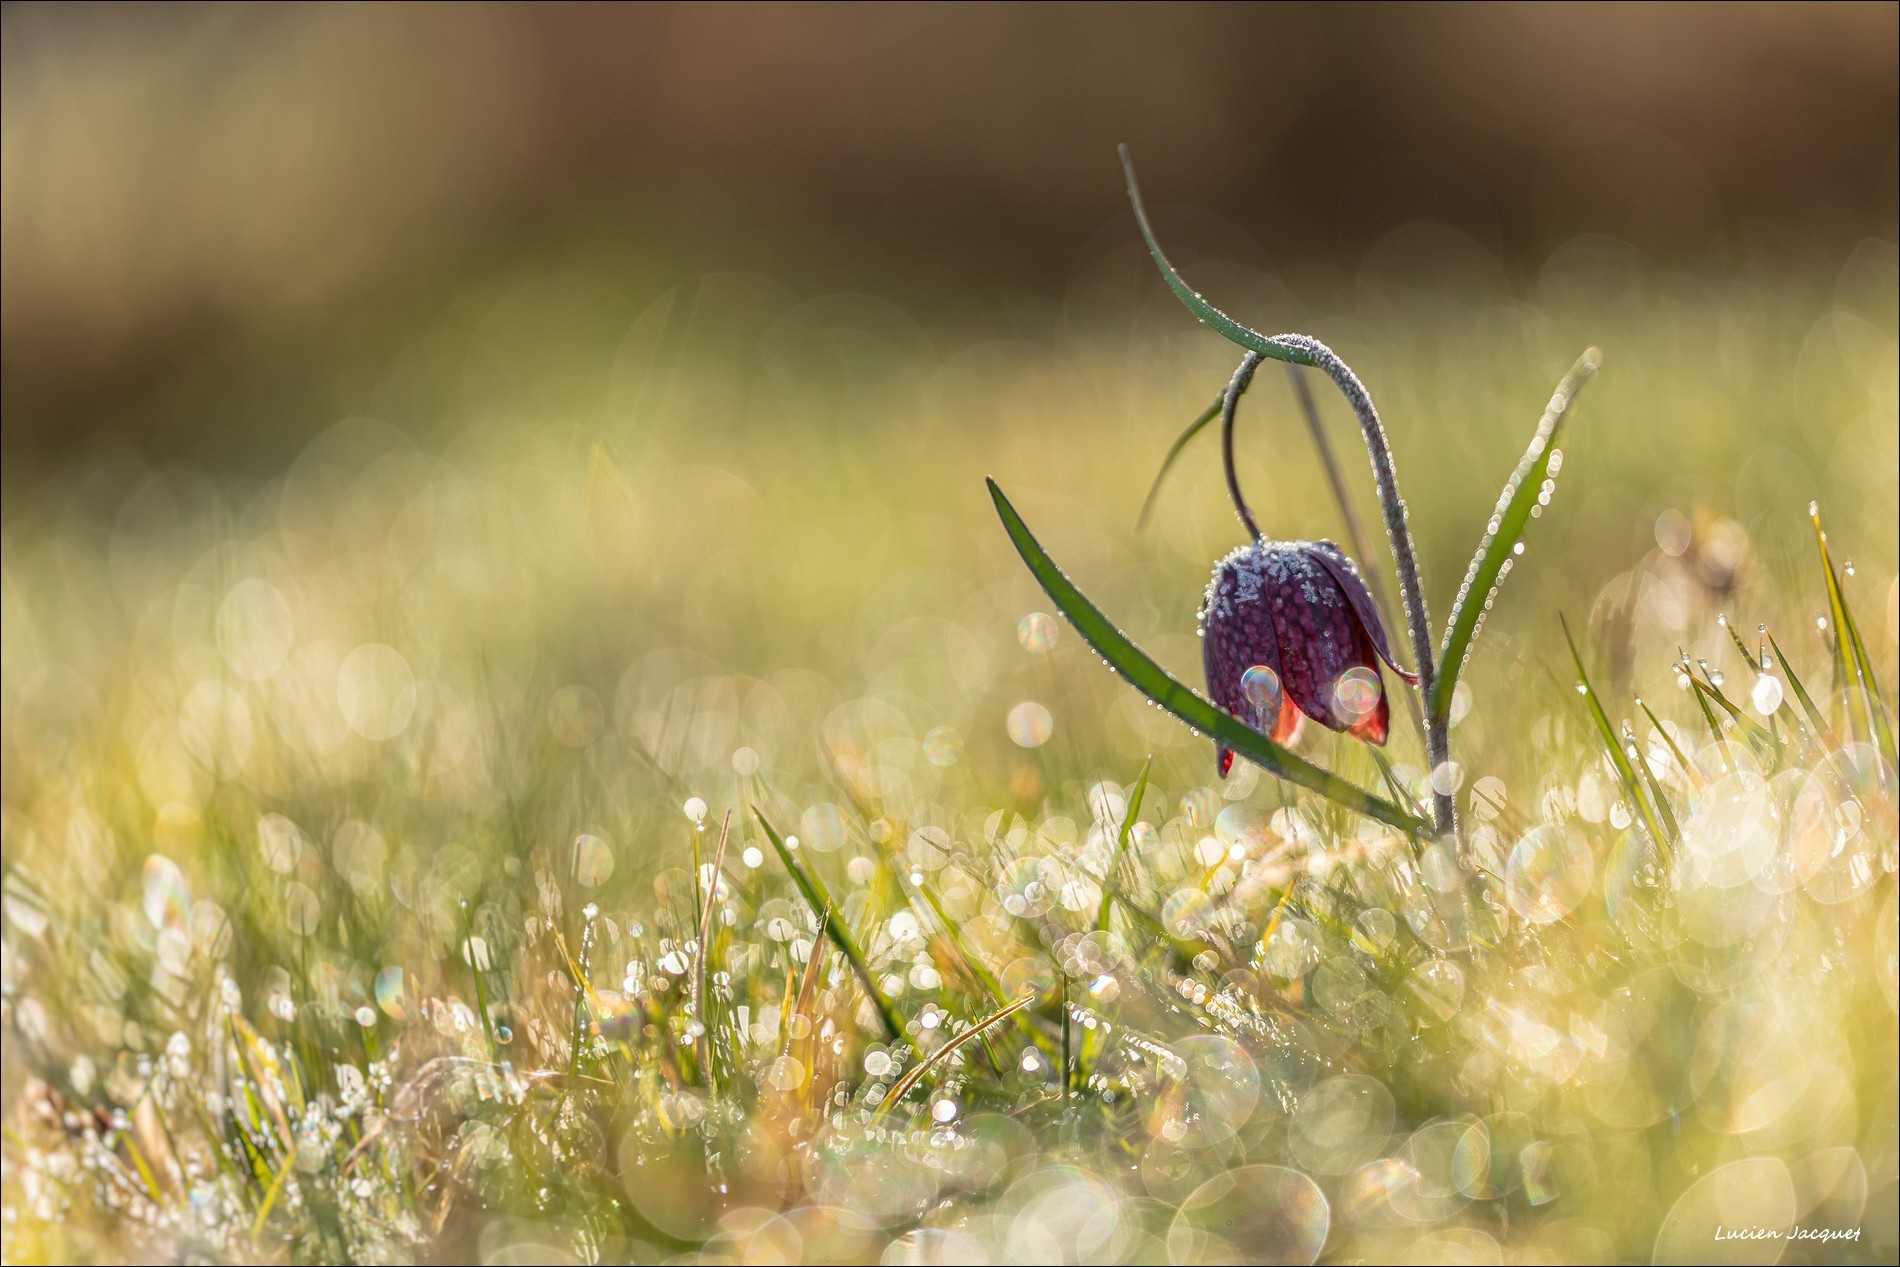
(1174, 451)
(1522, 495)
(1153, 681)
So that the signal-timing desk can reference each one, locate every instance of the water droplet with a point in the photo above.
(1766, 695)
(1356, 694)
(695, 809)
(593, 861)
(1260, 687)
(1030, 724)
(1037, 632)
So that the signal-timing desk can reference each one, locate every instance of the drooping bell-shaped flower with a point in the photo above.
(1288, 629)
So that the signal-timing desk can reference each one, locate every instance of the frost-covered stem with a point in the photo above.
(1404, 556)
(1229, 404)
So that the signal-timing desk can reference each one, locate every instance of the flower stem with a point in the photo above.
(1404, 555)
(1355, 535)
(1229, 404)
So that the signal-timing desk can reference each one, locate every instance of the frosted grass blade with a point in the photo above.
(1523, 493)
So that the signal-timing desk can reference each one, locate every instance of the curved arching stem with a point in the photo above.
(1301, 349)
(1229, 405)
(1398, 533)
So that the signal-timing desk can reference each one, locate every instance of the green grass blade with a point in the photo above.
(1174, 451)
(1741, 648)
(1656, 797)
(1752, 730)
(1689, 771)
(1121, 844)
(1846, 670)
(815, 893)
(1854, 652)
(1522, 495)
(1152, 680)
(1822, 732)
(1619, 760)
(920, 1070)
(1213, 317)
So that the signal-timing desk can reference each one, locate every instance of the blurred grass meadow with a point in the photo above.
(567, 766)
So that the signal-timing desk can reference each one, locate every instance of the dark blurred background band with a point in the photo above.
(197, 198)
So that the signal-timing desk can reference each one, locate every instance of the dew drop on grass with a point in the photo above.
(695, 809)
(752, 857)
(1766, 695)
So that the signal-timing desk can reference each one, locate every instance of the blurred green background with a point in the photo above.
(665, 342)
